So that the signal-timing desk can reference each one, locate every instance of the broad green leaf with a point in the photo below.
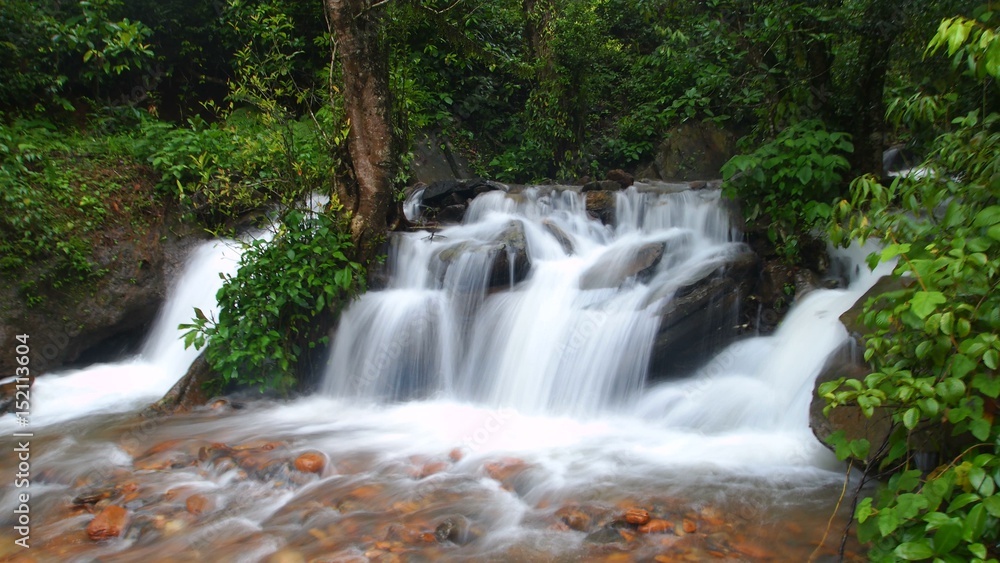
(950, 389)
(914, 550)
(924, 303)
(988, 217)
(888, 521)
(947, 537)
(992, 505)
(975, 523)
(991, 358)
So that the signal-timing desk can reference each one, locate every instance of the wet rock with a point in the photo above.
(456, 192)
(637, 516)
(691, 151)
(432, 468)
(199, 504)
(689, 526)
(656, 526)
(611, 270)
(601, 205)
(311, 462)
(92, 496)
(508, 252)
(286, 556)
(574, 518)
(106, 318)
(602, 185)
(846, 362)
(511, 263)
(263, 460)
(188, 392)
(451, 214)
(606, 534)
(702, 318)
(455, 529)
(622, 177)
(565, 241)
(507, 471)
(109, 523)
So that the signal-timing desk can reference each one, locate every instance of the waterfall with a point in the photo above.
(574, 336)
(137, 381)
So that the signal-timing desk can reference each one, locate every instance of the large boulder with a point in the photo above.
(456, 192)
(702, 317)
(846, 362)
(511, 263)
(435, 160)
(693, 150)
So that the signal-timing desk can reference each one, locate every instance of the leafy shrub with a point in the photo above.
(222, 170)
(934, 346)
(56, 192)
(267, 309)
(790, 180)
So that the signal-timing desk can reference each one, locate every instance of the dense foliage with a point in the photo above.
(788, 180)
(934, 343)
(268, 310)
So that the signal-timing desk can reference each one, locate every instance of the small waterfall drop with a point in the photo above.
(137, 381)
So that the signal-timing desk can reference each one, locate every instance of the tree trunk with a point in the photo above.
(867, 112)
(364, 57)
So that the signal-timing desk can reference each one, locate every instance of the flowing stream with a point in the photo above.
(491, 403)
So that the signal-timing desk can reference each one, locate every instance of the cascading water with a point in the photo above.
(489, 404)
(574, 337)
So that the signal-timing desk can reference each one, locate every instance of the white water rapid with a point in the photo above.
(471, 412)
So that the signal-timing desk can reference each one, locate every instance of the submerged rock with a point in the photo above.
(311, 462)
(109, 523)
(613, 269)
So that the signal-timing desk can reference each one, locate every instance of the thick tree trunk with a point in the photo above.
(364, 57)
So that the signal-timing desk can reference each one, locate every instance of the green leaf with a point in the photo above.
(947, 537)
(987, 384)
(924, 303)
(888, 521)
(804, 174)
(980, 428)
(992, 505)
(988, 217)
(950, 389)
(991, 358)
(911, 417)
(914, 550)
(975, 523)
